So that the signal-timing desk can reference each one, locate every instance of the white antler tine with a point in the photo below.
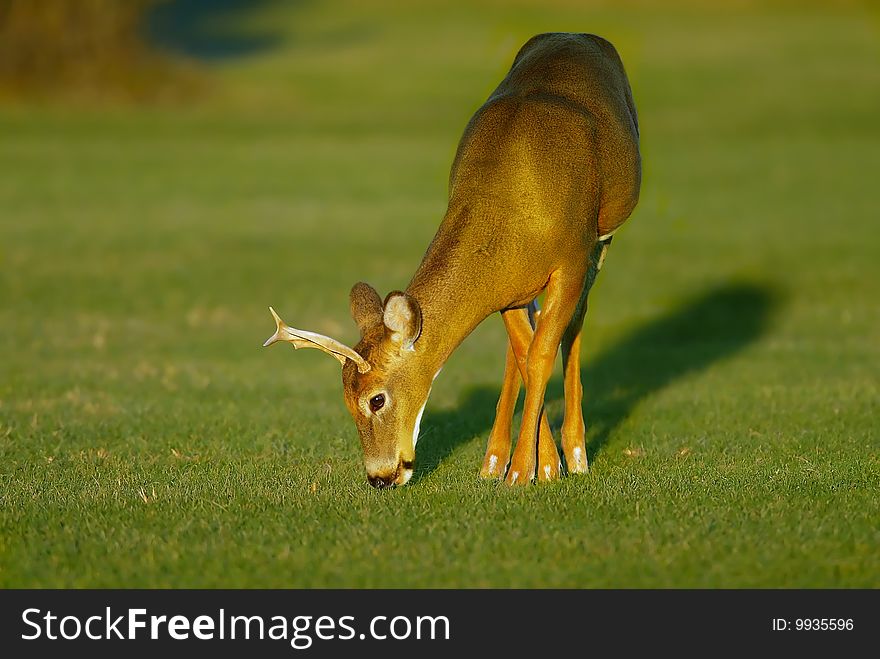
(304, 339)
(277, 318)
(279, 329)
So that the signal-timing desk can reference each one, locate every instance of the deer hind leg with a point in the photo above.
(498, 448)
(520, 331)
(563, 294)
(573, 427)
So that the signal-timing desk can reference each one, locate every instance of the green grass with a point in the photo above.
(732, 350)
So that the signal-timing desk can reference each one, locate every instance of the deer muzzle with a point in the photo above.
(400, 475)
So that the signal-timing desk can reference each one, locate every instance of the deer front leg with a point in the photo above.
(549, 464)
(520, 332)
(498, 448)
(563, 293)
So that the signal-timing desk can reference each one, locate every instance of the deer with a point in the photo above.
(547, 170)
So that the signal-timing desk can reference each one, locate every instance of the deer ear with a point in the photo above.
(403, 319)
(366, 306)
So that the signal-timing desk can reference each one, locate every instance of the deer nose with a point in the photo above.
(385, 477)
(380, 482)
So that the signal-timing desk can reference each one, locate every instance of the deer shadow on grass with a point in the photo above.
(707, 328)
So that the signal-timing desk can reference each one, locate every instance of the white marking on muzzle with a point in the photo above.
(407, 474)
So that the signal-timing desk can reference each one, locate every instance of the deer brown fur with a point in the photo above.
(548, 168)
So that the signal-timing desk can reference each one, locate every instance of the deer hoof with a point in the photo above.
(492, 467)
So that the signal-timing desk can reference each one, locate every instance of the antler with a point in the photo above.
(303, 339)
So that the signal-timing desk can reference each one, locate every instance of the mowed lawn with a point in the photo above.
(732, 349)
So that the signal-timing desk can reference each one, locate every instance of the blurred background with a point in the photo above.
(170, 168)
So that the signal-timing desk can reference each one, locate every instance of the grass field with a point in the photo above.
(732, 348)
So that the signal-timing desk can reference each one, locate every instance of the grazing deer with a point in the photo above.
(547, 170)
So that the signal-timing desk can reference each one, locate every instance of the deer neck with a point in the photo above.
(442, 285)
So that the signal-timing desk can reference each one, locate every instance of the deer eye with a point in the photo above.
(377, 402)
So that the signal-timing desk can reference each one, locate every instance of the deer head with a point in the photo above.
(384, 381)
